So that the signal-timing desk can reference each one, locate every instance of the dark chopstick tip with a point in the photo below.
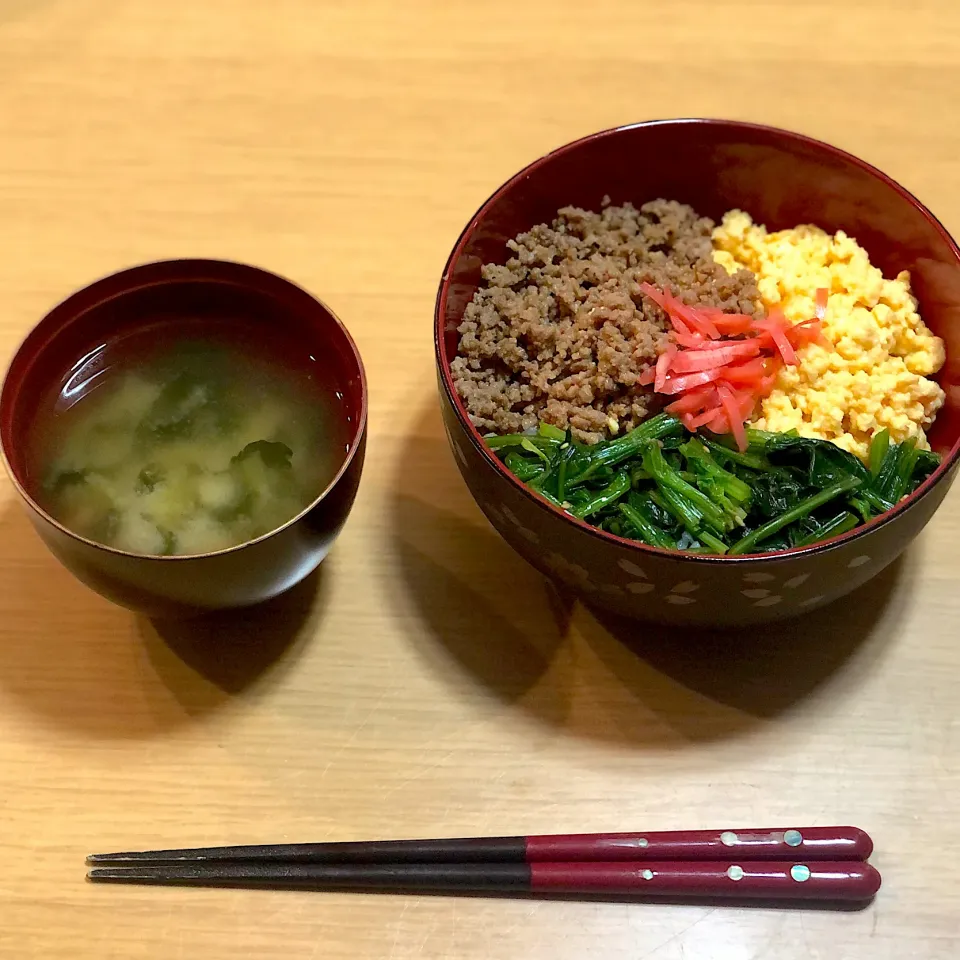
(108, 857)
(114, 857)
(116, 874)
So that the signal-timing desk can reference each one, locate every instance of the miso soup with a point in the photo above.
(187, 437)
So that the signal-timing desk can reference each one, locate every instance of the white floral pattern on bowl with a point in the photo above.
(759, 587)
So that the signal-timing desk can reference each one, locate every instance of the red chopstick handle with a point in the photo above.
(780, 843)
(842, 880)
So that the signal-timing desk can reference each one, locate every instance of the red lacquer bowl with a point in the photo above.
(237, 576)
(782, 179)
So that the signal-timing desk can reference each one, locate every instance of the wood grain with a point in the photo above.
(427, 683)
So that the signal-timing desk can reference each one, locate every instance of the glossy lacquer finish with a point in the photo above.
(834, 881)
(775, 843)
(767, 880)
(781, 179)
(780, 843)
(239, 576)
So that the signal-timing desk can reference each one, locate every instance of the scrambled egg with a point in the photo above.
(876, 376)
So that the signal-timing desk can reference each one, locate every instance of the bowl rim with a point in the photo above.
(948, 461)
(131, 273)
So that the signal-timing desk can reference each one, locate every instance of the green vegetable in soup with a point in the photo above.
(65, 478)
(202, 450)
(274, 454)
(192, 404)
(149, 477)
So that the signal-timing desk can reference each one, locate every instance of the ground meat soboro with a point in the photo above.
(562, 332)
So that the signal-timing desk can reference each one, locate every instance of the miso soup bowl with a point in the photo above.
(782, 179)
(237, 576)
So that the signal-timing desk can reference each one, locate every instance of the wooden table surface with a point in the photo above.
(425, 683)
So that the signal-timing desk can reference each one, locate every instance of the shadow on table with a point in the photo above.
(760, 671)
(472, 607)
(490, 623)
(233, 650)
(89, 668)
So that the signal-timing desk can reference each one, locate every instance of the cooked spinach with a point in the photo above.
(668, 488)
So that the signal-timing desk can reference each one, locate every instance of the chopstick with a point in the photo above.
(790, 843)
(845, 880)
(809, 863)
